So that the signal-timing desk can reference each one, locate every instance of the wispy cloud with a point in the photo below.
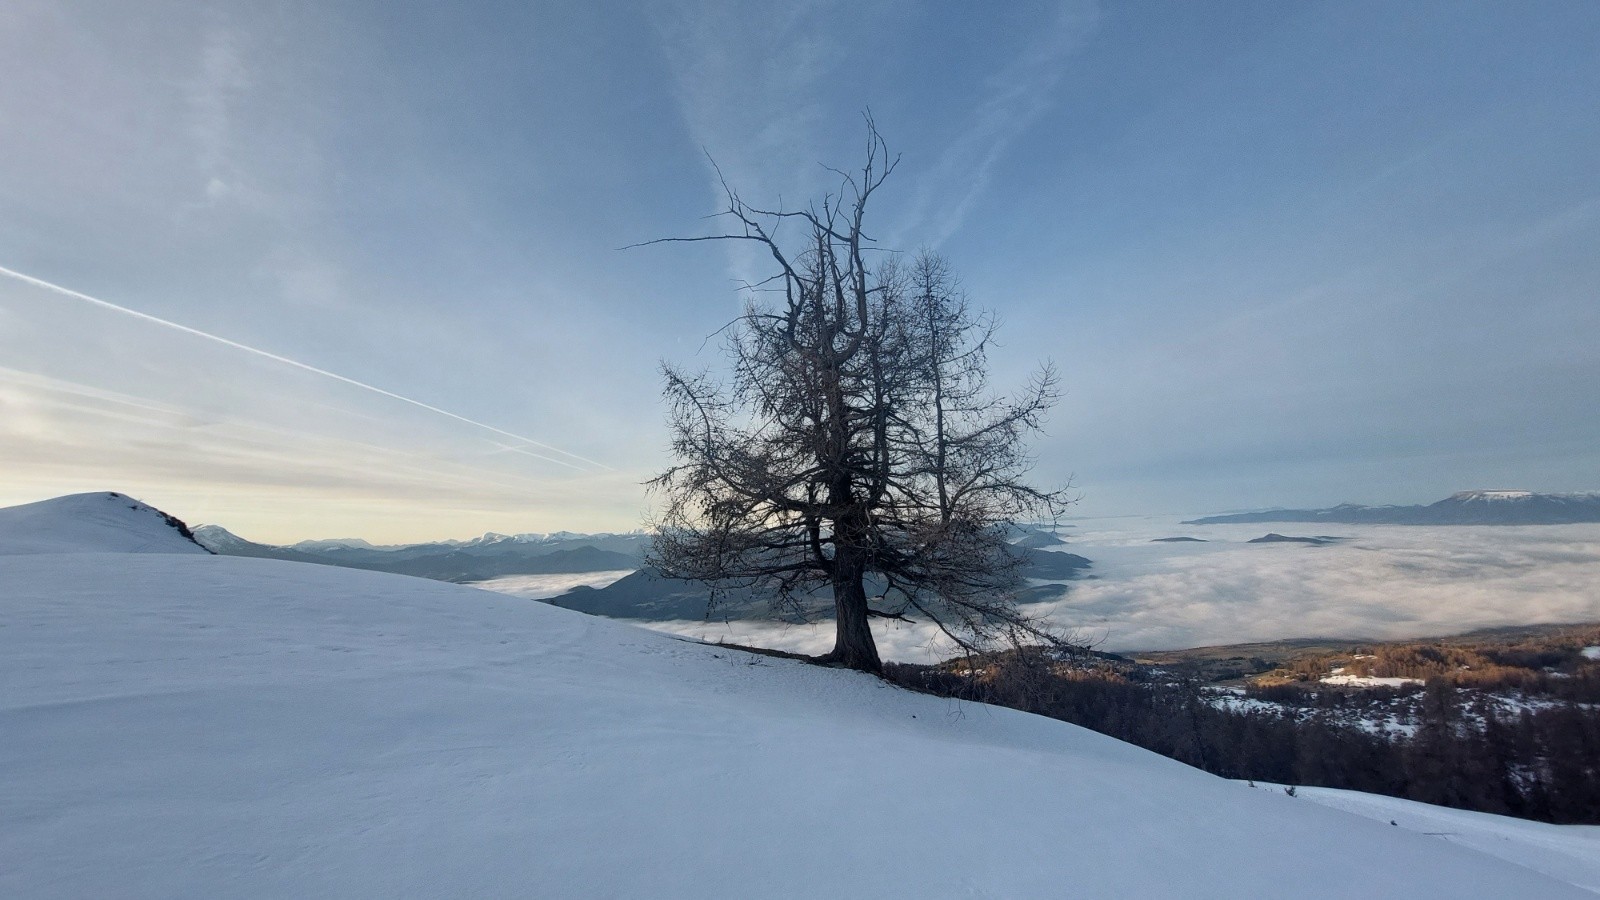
(273, 481)
(748, 82)
(214, 430)
(525, 442)
(220, 78)
(1017, 95)
(762, 94)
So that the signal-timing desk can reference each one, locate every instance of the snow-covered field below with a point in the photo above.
(198, 726)
(1338, 677)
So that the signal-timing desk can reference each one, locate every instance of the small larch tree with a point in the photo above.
(855, 443)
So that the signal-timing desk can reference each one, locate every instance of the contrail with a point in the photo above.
(68, 292)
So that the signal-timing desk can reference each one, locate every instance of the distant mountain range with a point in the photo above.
(645, 594)
(1465, 508)
(114, 522)
(479, 559)
(641, 595)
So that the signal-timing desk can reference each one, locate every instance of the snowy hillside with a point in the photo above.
(203, 726)
(1569, 852)
(87, 523)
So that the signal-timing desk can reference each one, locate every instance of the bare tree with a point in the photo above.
(856, 442)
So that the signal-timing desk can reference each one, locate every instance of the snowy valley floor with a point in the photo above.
(196, 726)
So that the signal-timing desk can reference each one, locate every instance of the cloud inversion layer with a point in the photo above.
(1384, 582)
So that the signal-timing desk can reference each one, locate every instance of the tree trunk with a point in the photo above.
(853, 646)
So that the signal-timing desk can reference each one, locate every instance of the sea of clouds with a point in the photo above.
(1379, 582)
(543, 587)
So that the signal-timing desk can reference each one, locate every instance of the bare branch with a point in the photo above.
(857, 441)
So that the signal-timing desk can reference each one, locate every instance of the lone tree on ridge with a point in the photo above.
(856, 444)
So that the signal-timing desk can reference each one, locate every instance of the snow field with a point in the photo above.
(1568, 852)
(197, 726)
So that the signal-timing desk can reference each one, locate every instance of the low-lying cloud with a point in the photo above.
(542, 587)
(1381, 582)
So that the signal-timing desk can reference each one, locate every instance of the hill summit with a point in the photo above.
(98, 522)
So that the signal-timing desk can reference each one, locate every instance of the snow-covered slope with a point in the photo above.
(204, 726)
(1569, 852)
(87, 523)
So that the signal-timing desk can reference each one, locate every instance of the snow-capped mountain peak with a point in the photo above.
(217, 539)
(1480, 507)
(335, 544)
(1490, 496)
(495, 537)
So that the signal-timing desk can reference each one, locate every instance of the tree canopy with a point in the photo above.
(855, 442)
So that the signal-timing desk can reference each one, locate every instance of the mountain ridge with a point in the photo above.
(1476, 507)
(478, 559)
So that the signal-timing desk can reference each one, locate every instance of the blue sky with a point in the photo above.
(1281, 253)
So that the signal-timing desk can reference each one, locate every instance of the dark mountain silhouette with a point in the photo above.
(648, 596)
(1275, 538)
(491, 556)
(1465, 508)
